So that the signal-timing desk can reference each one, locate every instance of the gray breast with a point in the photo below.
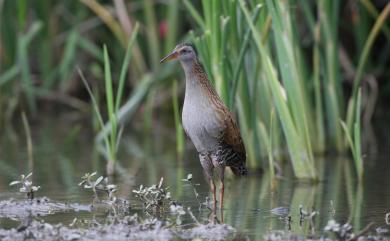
(200, 121)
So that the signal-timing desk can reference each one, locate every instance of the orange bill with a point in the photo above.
(170, 56)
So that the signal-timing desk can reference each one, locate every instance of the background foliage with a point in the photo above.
(304, 77)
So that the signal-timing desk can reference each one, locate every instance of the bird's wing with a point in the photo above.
(232, 134)
(228, 133)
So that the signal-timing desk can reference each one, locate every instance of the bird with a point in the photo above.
(209, 123)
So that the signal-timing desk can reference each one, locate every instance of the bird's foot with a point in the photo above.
(213, 218)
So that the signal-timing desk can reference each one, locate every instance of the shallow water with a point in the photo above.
(63, 152)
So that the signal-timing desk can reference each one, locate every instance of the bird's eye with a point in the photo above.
(184, 51)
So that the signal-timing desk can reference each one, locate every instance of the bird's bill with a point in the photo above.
(170, 56)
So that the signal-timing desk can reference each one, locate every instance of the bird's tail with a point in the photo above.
(239, 170)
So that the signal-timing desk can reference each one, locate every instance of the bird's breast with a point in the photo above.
(200, 121)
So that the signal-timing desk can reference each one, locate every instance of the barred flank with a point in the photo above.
(239, 170)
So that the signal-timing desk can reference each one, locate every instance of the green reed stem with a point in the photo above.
(363, 60)
(301, 159)
(125, 67)
(178, 125)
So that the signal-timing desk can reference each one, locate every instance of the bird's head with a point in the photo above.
(185, 53)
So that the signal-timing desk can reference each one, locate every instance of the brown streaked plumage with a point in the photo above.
(208, 122)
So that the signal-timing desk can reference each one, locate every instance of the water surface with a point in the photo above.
(63, 152)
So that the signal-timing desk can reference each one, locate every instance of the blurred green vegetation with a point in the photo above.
(291, 70)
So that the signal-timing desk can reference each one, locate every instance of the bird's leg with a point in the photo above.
(206, 162)
(221, 193)
(213, 190)
(221, 199)
(222, 188)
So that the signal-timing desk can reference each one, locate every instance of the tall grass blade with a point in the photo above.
(9, 75)
(374, 13)
(357, 137)
(23, 44)
(194, 14)
(319, 116)
(95, 106)
(125, 67)
(301, 159)
(354, 138)
(29, 142)
(239, 64)
(67, 61)
(363, 60)
(110, 105)
(107, 18)
(328, 12)
(152, 34)
(178, 125)
(290, 72)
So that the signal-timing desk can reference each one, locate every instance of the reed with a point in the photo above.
(113, 102)
(248, 70)
(289, 105)
(254, 55)
(354, 137)
(28, 142)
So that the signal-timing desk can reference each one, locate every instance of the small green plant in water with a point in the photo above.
(110, 189)
(193, 185)
(112, 200)
(178, 211)
(100, 184)
(342, 232)
(89, 182)
(154, 197)
(26, 185)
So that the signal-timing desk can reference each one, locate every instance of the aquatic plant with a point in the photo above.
(154, 197)
(302, 212)
(26, 185)
(332, 210)
(89, 182)
(102, 185)
(179, 211)
(353, 136)
(188, 179)
(343, 232)
(110, 190)
(113, 101)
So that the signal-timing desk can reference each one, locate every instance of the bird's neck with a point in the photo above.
(197, 82)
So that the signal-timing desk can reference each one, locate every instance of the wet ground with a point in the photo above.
(63, 152)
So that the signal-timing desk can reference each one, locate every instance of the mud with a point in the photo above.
(281, 235)
(21, 209)
(125, 228)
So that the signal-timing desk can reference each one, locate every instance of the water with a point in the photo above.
(63, 152)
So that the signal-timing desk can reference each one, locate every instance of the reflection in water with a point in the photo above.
(63, 156)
